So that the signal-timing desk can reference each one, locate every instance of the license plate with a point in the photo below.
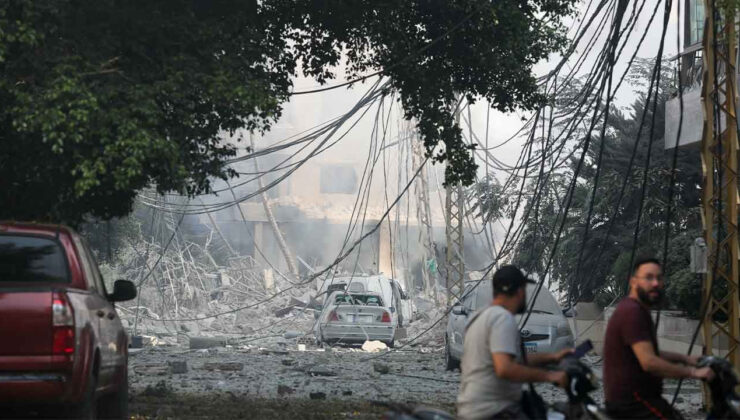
(350, 318)
(530, 347)
(366, 319)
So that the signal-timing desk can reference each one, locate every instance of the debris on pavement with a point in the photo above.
(374, 346)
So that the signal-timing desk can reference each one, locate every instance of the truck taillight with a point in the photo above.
(386, 317)
(63, 325)
(64, 340)
(333, 316)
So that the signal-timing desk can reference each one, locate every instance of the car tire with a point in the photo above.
(115, 405)
(450, 362)
(87, 409)
(390, 344)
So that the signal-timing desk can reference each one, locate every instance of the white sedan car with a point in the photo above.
(353, 318)
(547, 329)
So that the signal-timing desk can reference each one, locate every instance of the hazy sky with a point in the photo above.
(306, 111)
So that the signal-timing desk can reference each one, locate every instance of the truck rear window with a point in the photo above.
(31, 259)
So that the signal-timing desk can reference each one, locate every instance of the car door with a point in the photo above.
(110, 329)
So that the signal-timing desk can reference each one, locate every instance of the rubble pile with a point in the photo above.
(184, 294)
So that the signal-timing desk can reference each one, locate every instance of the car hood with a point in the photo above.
(542, 320)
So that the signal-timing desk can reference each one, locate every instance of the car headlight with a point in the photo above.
(563, 330)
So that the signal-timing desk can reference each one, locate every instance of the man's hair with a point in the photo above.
(642, 261)
(507, 280)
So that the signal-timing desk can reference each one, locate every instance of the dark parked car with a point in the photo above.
(61, 341)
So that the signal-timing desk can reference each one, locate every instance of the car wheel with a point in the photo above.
(390, 344)
(115, 405)
(450, 362)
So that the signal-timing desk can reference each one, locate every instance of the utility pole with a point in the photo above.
(455, 258)
(720, 195)
(424, 218)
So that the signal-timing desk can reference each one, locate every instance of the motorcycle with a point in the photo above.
(581, 382)
(580, 405)
(725, 401)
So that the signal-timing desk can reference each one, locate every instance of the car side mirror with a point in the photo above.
(569, 312)
(459, 310)
(123, 290)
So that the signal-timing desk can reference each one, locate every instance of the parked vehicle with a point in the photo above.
(396, 300)
(61, 341)
(353, 318)
(546, 331)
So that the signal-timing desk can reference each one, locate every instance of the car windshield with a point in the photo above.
(545, 303)
(31, 259)
(358, 299)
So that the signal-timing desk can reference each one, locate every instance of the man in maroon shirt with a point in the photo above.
(634, 367)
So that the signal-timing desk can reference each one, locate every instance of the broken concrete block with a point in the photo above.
(136, 342)
(374, 346)
(297, 302)
(321, 372)
(347, 393)
(161, 389)
(206, 342)
(151, 369)
(282, 312)
(317, 396)
(178, 366)
(284, 390)
(292, 334)
(288, 362)
(381, 368)
(224, 366)
(273, 351)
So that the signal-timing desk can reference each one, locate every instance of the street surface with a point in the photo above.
(282, 383)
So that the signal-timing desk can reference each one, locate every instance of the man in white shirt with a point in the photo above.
(492, 369)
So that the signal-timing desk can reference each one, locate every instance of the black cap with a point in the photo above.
(509, 278)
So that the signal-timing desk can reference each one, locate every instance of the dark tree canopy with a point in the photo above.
(605, 263)
(101, 99)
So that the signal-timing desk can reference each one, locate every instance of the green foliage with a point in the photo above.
(101, 99)
(605, 265)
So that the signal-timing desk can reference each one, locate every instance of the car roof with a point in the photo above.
(46, 229)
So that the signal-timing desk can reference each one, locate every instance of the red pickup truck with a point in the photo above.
(61, 341)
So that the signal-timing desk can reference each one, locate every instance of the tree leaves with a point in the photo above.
(101, 99)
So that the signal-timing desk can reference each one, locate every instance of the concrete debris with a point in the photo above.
(292, 334)
(197, 343)
(307, 340)
(273, 351)
(288, 362)
(284, 390)
(226, 366)
(283, 311)
(322, 372)
(401, 333)
(136, 342)
(317, 396)
(178, 366)
(158, 369)
(161, 389)
(381, 368)
(374, 346)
